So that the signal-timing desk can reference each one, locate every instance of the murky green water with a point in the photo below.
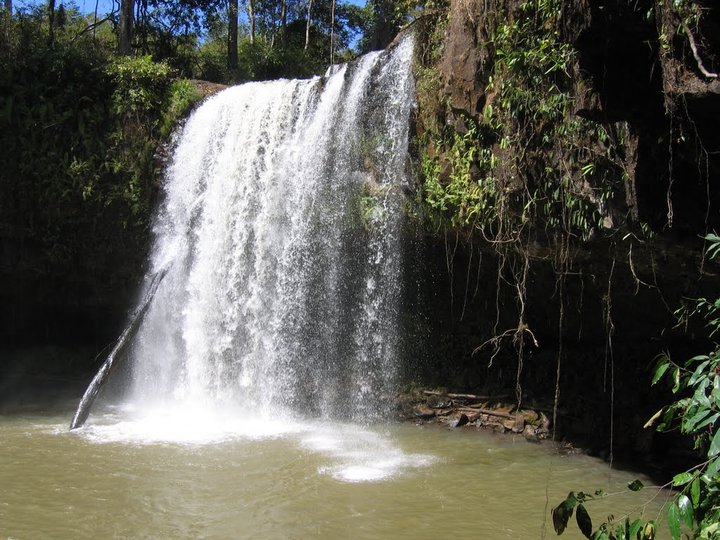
(286, 480)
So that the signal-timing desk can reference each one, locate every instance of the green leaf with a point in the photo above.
(634, 528)
(562, 514)
(583, 521)
(695, 492)
(673, 519)
(647, 532)
(715, 445)
(712, 469)
(681, 479)
(635, 485)
(660, 370)
(709, 530)
(713, 249)
(676, 378)
(710, 420)
(686, 510)
(699, 371)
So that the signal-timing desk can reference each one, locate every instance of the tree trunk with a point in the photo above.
(283, 23)
(232, 58)
(111, 362)
(51, 21)
(251, 19)
(307, 26)
(332, 34)
(125, 30)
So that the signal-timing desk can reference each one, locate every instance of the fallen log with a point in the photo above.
(83, 410)
(464, 396)
(477, 413)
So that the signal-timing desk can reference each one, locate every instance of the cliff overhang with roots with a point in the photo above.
(567, 176)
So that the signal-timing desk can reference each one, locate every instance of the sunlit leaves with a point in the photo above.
(681, 479)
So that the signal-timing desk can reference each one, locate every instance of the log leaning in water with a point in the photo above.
(83, 410)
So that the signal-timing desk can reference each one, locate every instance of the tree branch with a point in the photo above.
(696, 54)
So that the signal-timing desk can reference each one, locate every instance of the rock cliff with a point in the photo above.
(568, 167)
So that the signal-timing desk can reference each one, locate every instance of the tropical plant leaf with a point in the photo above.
(681, 479)
(699, 372)
(707, 422)
(647, 532)
(660, 370)
(562, 514)
(583, 520)
(686, 510)
(715, 445)
(634, 528)
(713, 468)
(695, 492)
(673, 519)
(713, 250)
(635, 485)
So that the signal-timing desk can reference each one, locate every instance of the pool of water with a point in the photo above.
(124, 476)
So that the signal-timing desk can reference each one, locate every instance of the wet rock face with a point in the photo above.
(635, 71)
(636, 64)
(462, 59)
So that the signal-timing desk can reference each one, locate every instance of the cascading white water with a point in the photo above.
(281, 233)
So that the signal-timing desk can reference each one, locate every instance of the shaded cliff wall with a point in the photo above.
(568, 146)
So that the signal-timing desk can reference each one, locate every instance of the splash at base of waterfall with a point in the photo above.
(345, 452)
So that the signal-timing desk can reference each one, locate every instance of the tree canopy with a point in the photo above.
(232, 40)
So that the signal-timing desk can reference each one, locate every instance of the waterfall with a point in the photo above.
(281, 233)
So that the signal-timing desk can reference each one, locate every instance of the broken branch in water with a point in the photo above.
(83, 410)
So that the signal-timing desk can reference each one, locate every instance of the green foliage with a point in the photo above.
(183, 96)
(470, 196)
(608, 530)
(372, 204)
(78, 142)
(141, 85)
(697, 506)
(694, 512)
(382, 19)
(526, 162)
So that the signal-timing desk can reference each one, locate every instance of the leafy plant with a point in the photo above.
(694, 512)
(608, 530)
(525, 163)
(141, 84)
(697, 506)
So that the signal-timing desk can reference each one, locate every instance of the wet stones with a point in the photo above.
(470, 410)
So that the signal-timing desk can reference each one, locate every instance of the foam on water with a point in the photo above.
(347, 452)
(184, 426)
(361, 455)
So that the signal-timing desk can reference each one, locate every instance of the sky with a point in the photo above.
(105, 6)
(86, 6)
